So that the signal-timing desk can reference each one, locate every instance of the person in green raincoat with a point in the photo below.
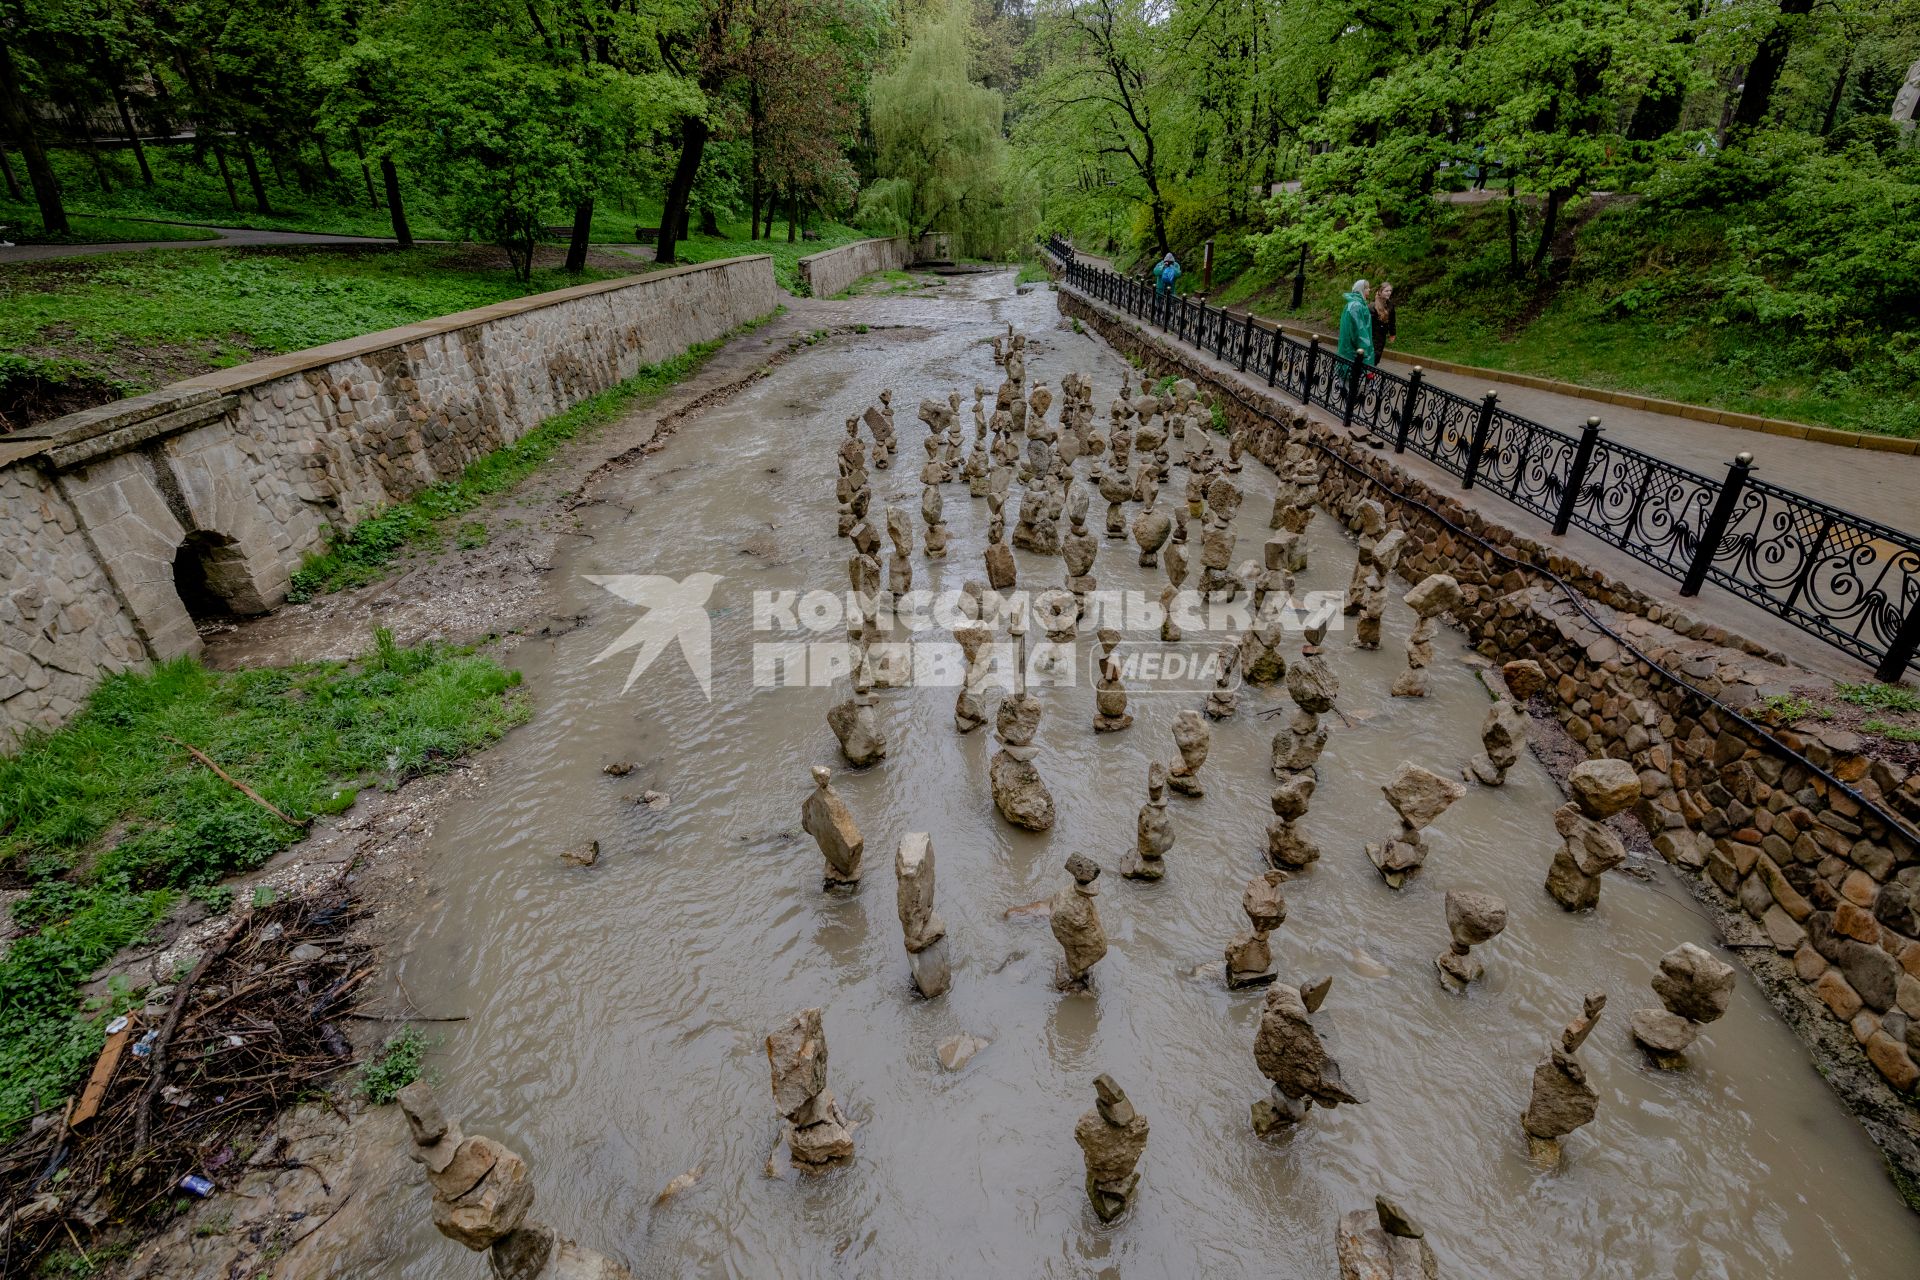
(1356, 325)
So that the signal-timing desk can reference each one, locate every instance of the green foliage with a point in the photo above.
(1894, 732)
(1878, 697)
(109, 818)
(940, 134)
(362, 553)
(20, 221)
(1784, 708)
(396, 1066)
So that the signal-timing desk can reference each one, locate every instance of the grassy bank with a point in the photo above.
(119, 324)
(22, 226)
(368, 550)
(1631, 317)
(786, 257)
(109, 820)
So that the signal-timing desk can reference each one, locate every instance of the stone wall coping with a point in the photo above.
(207, 386)
(807, 262)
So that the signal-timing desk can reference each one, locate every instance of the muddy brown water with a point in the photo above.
(618, 1012)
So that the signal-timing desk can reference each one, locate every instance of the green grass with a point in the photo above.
(1633, 317)
(396, 1066)
(1878, 697)
(1031, 272)
(110, 820)
(139, 319)
(786, 257)
(364, 552)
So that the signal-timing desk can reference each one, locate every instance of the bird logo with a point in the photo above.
(674, 611)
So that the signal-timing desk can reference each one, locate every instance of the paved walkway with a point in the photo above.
(227, 236)
(1881, 486)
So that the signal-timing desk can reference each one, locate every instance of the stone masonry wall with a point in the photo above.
(1800, 869)
(828, 273)
(253, 467)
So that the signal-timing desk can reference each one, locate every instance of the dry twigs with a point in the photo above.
(250, 1031)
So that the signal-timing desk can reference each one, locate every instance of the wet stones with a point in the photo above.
(1562, 1099)
(482, 1194)
(1112, 1138)
(1434, 595)
(969, 711)
(1383, 1245)
(1110, 696)
(1418, 796)
(1151, 529)
(1503, 734)
(933, 512)
(855, 724)
(1312, 687)
(925, 932)
(1194, 740)
(1076, 925)
(1472, 918)
(1696, 989)
(1289, 1052)
(1286, 846)
(1115, 484)
(1249, 957)
(1018, 790)
(1261, 662)
(1371, 518)
(1224, 698)
(825, 817)
(1601, 788)
(817, 1133)
(1153, 832)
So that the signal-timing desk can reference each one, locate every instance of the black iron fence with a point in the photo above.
(1851, 581)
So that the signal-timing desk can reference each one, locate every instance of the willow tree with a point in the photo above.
(938, 139)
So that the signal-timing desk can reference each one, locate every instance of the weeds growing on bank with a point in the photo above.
(363, 552)
(111, 818)
(396, 1066)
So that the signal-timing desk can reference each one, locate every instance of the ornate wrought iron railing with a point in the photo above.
(1851, 581)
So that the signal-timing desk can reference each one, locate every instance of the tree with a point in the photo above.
(938, 136)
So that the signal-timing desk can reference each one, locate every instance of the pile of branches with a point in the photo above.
(254, 1028)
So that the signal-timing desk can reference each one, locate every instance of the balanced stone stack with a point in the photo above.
(1249, 957)
(857, 727)
(1018, 790)
(1287, 846)
(1153, 832)
(1503, 734)
(1383, 1245)
(482, 1193)
(1696, 989)
(1312, 687)
(1289, 1053)
(1194, 740)
(1112, 1138)
(1562, 1099)
(1434, 595)
(825, 817)
(924, 930)
(1076, 924)
(1472, 918)
(1601, 788)
(1418, 796)
(817, 1133)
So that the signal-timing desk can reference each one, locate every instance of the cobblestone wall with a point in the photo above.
(250, 468)
(1819, 895)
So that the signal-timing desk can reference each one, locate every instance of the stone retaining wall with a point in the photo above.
(829, 272)
(244, 471)
(1812, 884)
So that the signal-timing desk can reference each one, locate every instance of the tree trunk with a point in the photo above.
(226, 176)
(253, 175)
(1548, 227)
(1513, 233)
(1299, 281)
(673, 216)
(582, 229)
(46, 188)
(793, 214)
(373, 201)
(753, 215)
(1763, 73)
(83, 133)
(1160, 227)
(1839, 90)
(133, 135)
(709, 224)
(13, 184)
(395, 206)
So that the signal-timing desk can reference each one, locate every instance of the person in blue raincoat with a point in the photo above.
(1164, 274)
(1356, 325)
